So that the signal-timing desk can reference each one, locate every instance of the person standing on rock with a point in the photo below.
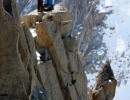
(47, 6)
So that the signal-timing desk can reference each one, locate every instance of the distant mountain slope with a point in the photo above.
(117, 40)
(26, 6)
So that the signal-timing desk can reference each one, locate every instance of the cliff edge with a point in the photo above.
(57, 74)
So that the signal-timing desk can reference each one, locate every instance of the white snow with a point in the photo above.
(110, 81)
(104, 5)
(41, 92)
(38, 55)
(33, 31)
(79, 33)
(108, 3)
(118, 43)
(34, 12)
(123, 92)
(91, 79)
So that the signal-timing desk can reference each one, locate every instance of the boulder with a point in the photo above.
(14, 78)
(31, 19)
(62, 19)
(105, 84)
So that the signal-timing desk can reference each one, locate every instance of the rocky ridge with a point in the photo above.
(87, 29)
(57, 75)
(105, 84)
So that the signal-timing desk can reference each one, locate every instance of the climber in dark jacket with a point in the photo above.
(47, 6)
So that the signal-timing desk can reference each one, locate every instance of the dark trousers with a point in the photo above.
(40, 6)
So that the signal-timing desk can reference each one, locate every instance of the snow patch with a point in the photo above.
(110, 81)
(122, 92)
(120, 45)
(38, 55)
(33, 31)
(41, 92)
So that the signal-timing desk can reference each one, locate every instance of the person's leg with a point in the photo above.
(40, 6)
(50, 2)
(49, 6)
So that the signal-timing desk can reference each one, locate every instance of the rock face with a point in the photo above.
(65, 79)
(58, 75)
(105, 84)
(18, 79)
(87, 27)
(14, 77)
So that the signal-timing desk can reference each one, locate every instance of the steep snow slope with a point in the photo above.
(123, 92)
(117, 39)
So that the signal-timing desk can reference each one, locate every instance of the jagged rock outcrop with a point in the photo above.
(105, 84)
(31, 19)
(85, 18)
(58, 75)
(59, 70)
(14, 77)
(37, 90)
(18, 79)
(87, 27)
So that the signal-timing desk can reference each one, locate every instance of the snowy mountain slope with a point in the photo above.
(116, 36)
(118, 40)
(121, 51)
(123, 92)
